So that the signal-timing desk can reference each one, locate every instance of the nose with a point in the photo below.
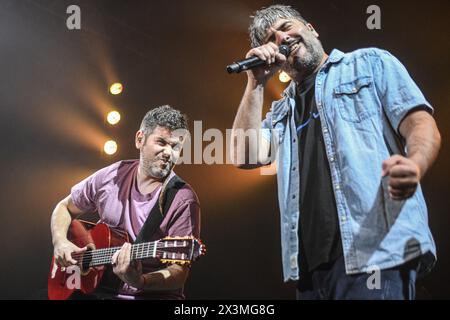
(167, 152)
(281, 37)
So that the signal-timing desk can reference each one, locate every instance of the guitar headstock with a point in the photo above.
(180, 250)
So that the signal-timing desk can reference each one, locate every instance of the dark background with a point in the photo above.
(54, 97)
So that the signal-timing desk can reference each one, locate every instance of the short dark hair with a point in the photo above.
(163, 116)
(264, 18)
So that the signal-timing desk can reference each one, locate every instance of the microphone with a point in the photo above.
(253, 62)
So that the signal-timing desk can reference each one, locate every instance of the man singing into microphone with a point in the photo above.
(352, 137)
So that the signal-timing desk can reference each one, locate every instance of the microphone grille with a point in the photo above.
(284, 50)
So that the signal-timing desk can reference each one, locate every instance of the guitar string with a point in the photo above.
(98, 253)
(107, 260)
(139, 246)
(107, 252)
(104, 255)
(135, 248)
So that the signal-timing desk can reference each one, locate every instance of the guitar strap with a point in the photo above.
(170, 188)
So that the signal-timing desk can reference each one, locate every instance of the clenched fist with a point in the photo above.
(404, 176)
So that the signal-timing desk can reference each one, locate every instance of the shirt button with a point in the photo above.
(338, 187)
(293, 169)
(293, 197)
(294, 141)
(343, 218)
(325, 130)
(331, 159)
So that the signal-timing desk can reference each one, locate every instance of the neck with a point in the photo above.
(300, 76)
(146, 184)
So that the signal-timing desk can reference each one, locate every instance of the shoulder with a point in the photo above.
(366, 53)
(187, 194)
(114, 172)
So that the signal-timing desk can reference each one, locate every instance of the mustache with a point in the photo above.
(167, 159)
(293, 42)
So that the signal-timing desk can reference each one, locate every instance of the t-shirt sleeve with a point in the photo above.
(398, 92)
(186, 220)
(84, 193)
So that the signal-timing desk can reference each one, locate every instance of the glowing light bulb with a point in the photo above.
(113, 117)
(284, 77)
(110, 147)
(116, 88)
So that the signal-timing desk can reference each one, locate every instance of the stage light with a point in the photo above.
(113, 117)
(284, 77)
(116, 88)
(110, 147)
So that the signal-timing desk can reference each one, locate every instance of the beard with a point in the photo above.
(156, 167)
(308, 56)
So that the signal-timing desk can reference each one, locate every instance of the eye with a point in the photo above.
(287, 26)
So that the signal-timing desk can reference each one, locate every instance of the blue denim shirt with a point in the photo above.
(361, 97)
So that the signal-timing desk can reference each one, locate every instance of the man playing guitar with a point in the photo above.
(124, 194)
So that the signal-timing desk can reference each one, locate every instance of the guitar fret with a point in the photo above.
(139, 251)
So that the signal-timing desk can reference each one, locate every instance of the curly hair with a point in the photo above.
(263, 19)
(164, 116)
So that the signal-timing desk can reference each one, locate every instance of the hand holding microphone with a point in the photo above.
(262, 62)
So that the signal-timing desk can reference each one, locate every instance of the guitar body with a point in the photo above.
(62, 283)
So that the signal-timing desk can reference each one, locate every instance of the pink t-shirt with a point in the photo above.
(113, 193)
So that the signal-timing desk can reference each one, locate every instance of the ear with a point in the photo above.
(311, 28)
(140, 139)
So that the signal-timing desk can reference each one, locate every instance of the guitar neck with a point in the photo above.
(139, 251)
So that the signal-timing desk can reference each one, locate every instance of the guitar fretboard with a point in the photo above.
(156, 249)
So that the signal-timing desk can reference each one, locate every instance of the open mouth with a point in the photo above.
(165, 163)
(294, 46)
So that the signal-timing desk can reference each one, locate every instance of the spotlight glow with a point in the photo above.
(113, 117)
(284, 77)
(116, 88)
(110, 147)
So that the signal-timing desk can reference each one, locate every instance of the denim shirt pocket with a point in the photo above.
(355, 99)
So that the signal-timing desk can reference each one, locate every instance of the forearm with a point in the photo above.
(422, 140)
(250, 109)
(60, 222)
(247, 124)
(170, 278)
